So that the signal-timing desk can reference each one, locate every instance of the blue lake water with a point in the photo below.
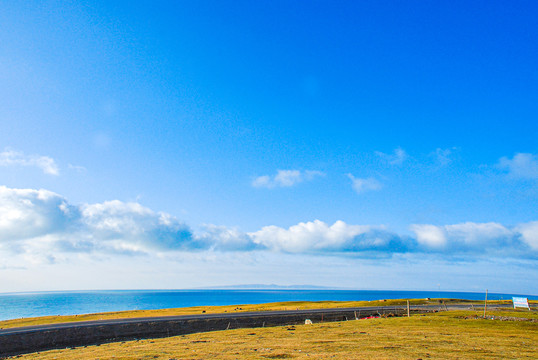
(18, 305)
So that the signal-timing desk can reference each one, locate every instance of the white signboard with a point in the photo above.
(520, 302)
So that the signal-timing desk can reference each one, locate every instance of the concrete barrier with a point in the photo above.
(47, 337)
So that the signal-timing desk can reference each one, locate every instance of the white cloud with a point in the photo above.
(430, 236)
(27, 213)
(285, 178)
(11, 157)
(309, 236)
(521, 166)
(319, 237)
(132, 226)
(43, 222)
(225, 238)
(361, 185)
(467, 236)
(42, 227)
(478, 234)
(396, 158)
(529, 233)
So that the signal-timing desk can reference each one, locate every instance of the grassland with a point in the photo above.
(444, 335)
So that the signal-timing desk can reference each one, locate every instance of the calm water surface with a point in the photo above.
(17, 305)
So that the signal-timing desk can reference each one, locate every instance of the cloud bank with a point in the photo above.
(42, 224)
(285, 178)
(469, 237)
(40, 221)
(319, 237)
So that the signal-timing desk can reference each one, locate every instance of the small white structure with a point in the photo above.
(308, 322)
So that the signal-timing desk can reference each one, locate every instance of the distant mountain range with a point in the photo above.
(271, 287)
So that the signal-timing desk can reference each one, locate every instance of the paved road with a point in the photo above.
(363, 310)
(194, 317)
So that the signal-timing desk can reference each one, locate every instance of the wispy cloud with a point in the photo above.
(41, 226)
(443, 156)
(397, 157)
(361, 185)
(77, 168)
(285, 178)
(521, 166)
(10, 157)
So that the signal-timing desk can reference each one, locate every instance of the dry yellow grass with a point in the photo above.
(445, 335)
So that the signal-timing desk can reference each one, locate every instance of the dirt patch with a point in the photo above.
(278, 356)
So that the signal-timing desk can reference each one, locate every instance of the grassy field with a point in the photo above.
(302, 305)
(443, 335)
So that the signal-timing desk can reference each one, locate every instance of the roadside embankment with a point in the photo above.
(38, 338)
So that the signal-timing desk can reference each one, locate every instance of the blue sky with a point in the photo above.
(184, 144)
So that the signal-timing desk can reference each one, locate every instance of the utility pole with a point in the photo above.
(486, 303)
